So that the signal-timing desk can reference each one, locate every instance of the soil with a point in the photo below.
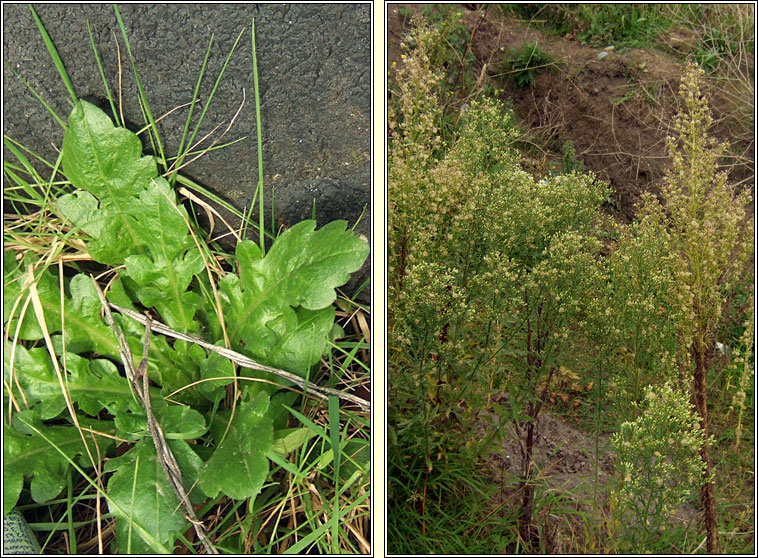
(617, 110)
(564, 466)
(562, 452)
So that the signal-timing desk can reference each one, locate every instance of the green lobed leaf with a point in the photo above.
(107, 162)
(177, 421)
(130, 213)
(142, 494)
(302, 270)
(92, 384)
(215, 366)
(26, 453)
(163, 276)
(301, 343)
(84, 329)
(239, 467)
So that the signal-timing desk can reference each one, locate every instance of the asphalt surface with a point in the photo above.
(314, 65)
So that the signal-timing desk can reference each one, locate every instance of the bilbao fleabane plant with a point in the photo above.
(658, 458)
(711, 238)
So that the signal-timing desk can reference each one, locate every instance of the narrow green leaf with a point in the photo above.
(144, 105)
(26, 453)
(54, 54)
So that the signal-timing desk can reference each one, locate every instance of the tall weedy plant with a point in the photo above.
(658, 454)
(712, 240)
(444, 301)
(492, 275)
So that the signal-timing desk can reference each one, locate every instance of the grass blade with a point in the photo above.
(155, 139)
(180, 154)
(259, 131)
(44, 103)
(102, 75)
(55, 56)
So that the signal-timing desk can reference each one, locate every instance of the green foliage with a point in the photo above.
(454, 518)
(623, 24)
(130, 213)
(658, 456)
(710, 239)
(439, 30)
(44, 459)
(239, 466)
(743, 365)
(642, 310)
(725, 33)
(631, 25)
(140, 494)
(489, 271)
(448, 19)
(502, 283)
(705, 217)
(569, 162)
(523, 64)
(278, 309)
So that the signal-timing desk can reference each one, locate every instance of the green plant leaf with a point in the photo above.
(93, 384)
(177, 422)
(107, 162)
(215, 366)
(27, 454)
(84, 329)
(131, 214)
(239, 466)
(301, 342)
(302, 269)
(289, 439)
(163, 277)
(141, 491)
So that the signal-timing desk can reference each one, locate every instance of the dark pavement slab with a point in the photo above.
(314, 63)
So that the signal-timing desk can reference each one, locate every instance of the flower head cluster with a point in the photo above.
(659, 460)
(481, 255)
(710, 231)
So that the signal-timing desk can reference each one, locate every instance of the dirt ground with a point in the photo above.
(564, 465)
(617, 110)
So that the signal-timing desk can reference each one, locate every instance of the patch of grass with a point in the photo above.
(447, 510)
(523, 64)
(622, 25)
(725, 32)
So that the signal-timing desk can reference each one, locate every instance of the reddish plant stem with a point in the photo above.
(423, 503)
(707, 499)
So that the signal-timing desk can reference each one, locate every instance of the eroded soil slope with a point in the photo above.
(616, 108)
